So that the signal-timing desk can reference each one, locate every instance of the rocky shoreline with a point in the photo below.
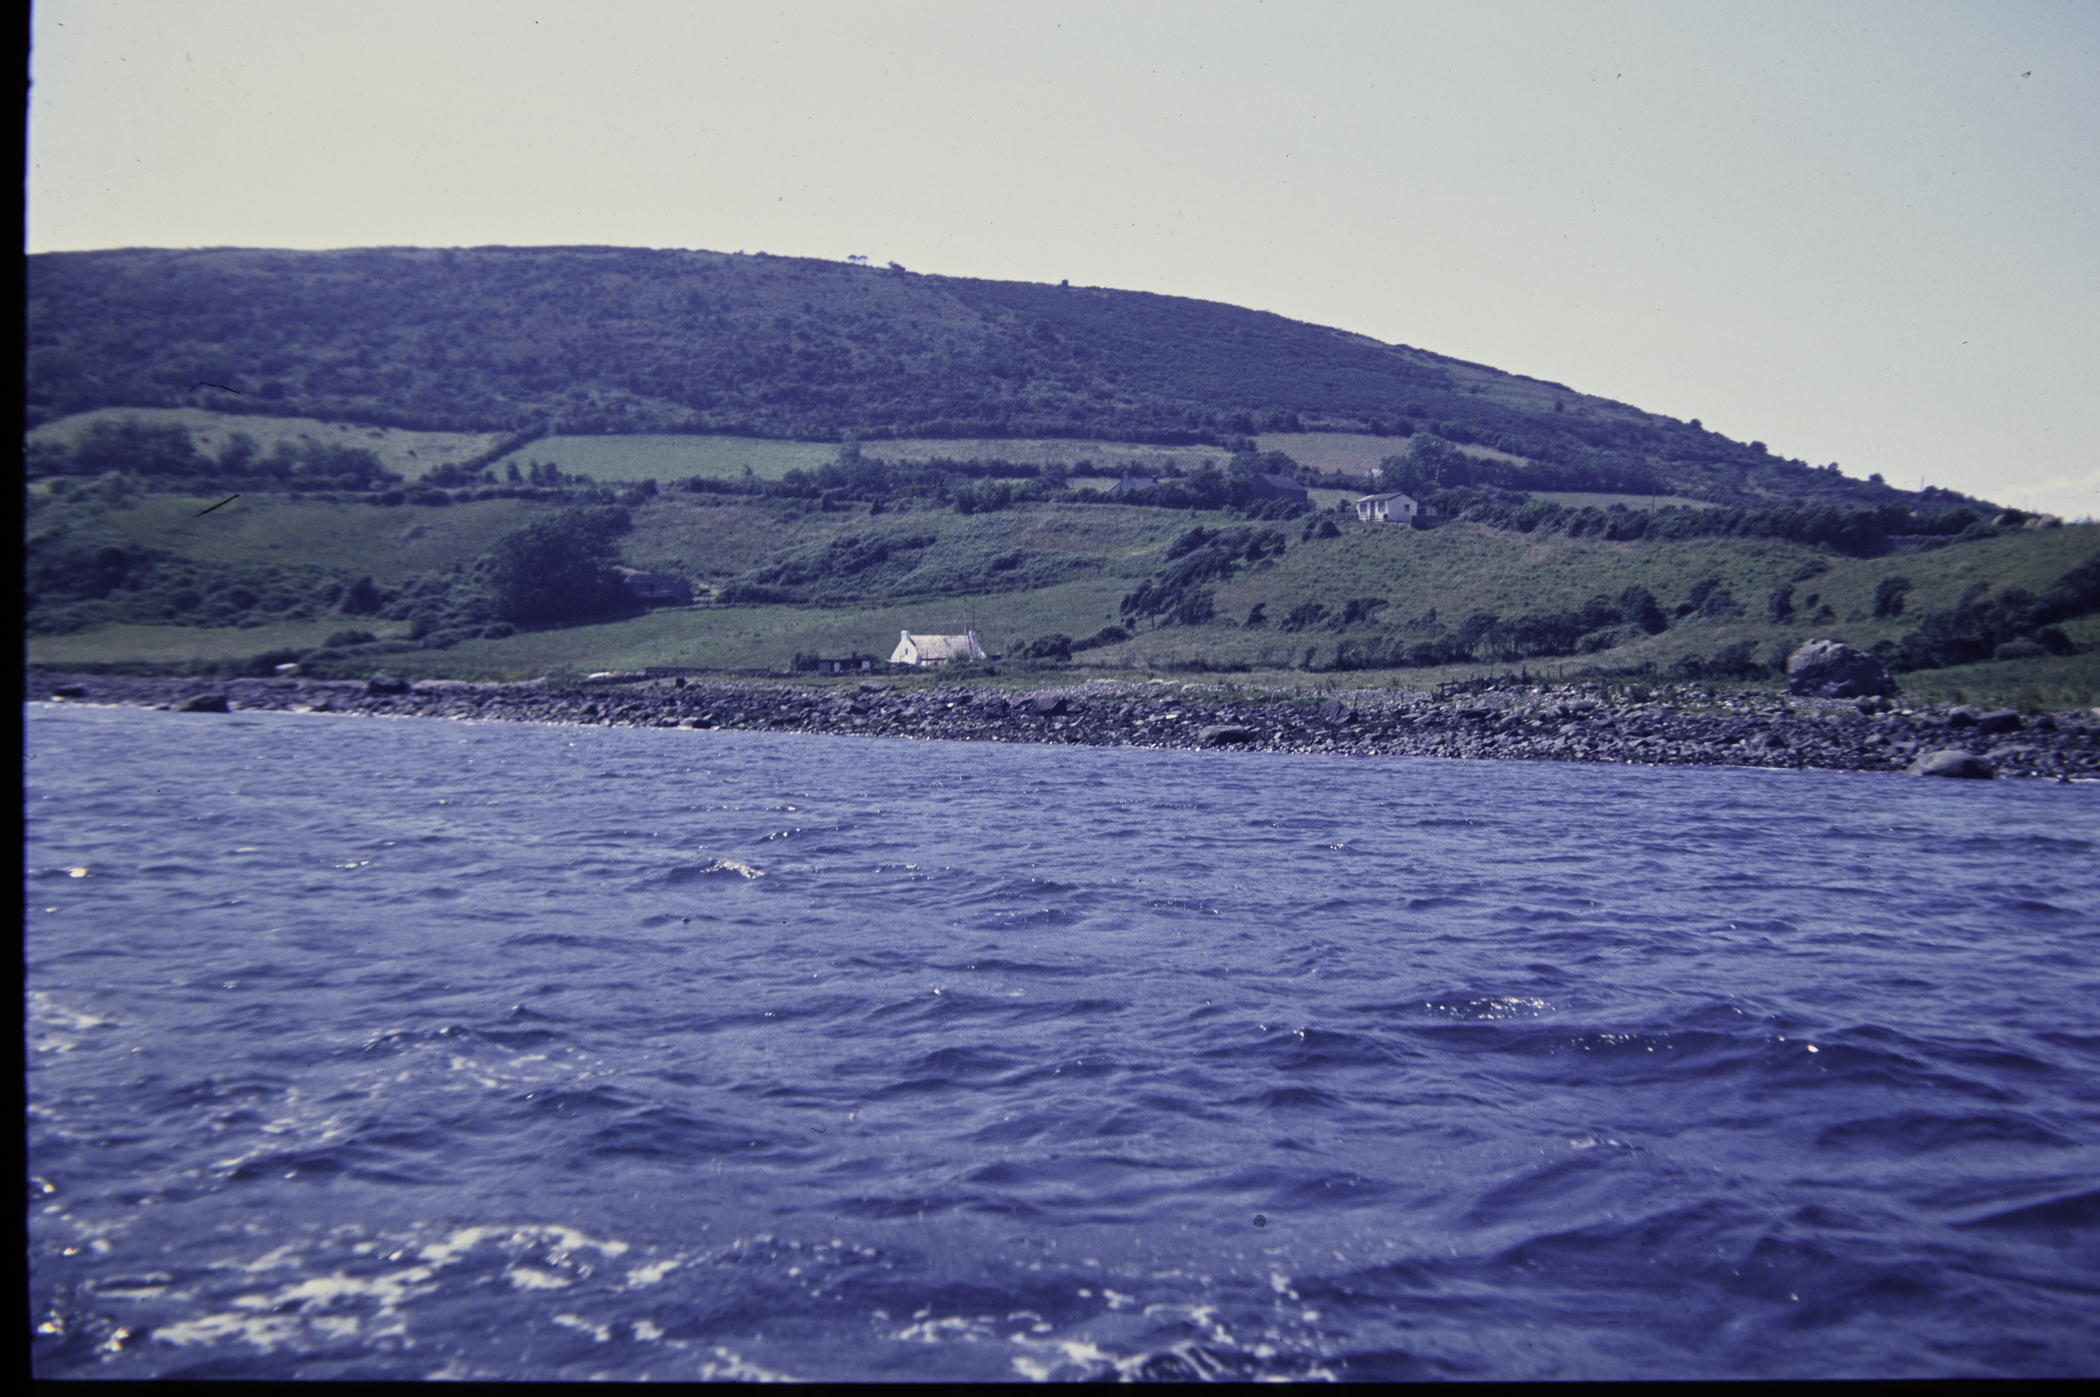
(1577, 723)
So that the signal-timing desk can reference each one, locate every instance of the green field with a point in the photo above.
(177, 645)
(669, 457)
(1111, 457)
(714, 537)
(2051, 685)
(388, 543)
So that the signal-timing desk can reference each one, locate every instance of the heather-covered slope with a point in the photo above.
(595, 340)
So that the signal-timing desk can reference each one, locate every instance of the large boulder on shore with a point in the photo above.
(1833, 669)
(1952, 763)
(202, 703)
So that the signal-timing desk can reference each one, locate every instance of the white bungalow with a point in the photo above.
(936, 649)
(1395, 508)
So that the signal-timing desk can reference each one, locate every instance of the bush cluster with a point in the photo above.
(71, 584)
(1979, 626)
(1182, 594)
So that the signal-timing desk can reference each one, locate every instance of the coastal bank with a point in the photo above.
(1575, 723)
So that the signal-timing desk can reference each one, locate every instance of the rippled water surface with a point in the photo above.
(367, 1048)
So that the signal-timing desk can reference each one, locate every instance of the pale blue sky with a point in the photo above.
(1857, 232)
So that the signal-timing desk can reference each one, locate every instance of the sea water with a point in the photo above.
(364, 1048)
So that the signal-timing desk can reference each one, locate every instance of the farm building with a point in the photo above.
(658, 588)
(1394, 508)
(1277, 487)
(936, 649)
(1131, 484)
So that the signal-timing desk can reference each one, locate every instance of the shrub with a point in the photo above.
(1107, 635)
(361, 598)
(1639, 607)
(341, 638)
(1196, 608)
(1049, 647)
(1360, 611)
(1303, 616)
(1888, 597)
(561, 569)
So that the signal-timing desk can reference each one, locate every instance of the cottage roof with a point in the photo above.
(943, 647)
(1395, 495)
(925, 648)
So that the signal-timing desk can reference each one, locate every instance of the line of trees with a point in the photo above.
(166, 456)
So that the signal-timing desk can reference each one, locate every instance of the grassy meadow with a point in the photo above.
(669, 457)
(175, 646)
(388, 543)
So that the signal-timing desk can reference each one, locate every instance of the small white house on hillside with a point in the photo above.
(1395, 508)
(936, 649)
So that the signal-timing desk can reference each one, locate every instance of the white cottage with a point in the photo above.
(1395, 508)
(936, 649)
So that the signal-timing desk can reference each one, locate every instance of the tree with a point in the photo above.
(1888, 597)
(562, 568)
(1640, 607)
(362, 598)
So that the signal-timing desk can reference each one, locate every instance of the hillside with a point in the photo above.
(343, 460)
(589, 341)
(1062, 588)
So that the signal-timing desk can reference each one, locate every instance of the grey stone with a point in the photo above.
(69, 691)
(1963, 717)
(202, 703)
(1224, 734)
(386, 684)
(1046, 707)
(1833, 669)
(2000, 720)
(1952, 763)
